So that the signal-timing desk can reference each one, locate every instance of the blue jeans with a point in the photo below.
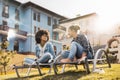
(43, 59)
(76, 50)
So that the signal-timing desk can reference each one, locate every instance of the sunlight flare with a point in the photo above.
(109, 15)
(11, 34)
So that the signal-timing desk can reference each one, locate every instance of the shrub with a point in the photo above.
(5, 55)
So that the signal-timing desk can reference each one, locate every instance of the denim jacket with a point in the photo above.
(48, 47)
(84, 42)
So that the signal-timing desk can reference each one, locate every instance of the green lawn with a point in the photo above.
(70, 74)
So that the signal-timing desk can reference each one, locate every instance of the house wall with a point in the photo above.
(0, 12)
(89, 24)
(26, 23)
(86, 24)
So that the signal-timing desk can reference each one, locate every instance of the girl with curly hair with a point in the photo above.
(44, 49)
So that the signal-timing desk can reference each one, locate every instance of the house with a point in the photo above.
(86, 23)
(25, 19)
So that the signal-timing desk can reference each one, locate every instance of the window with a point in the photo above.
(34, 16)
(38, 28)
(17, 14)
(16, 27)
(49, 21)
(4, 23)
(5, 27)
(16, 45)
(55, 22)
(55, 36)
(55, 49)
(38, 17)
(5, 12)
(35, 29)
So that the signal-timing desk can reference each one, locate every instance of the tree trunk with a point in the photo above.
(5, 70)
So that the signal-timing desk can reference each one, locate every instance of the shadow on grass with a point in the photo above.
(70, 75)
(23, 78)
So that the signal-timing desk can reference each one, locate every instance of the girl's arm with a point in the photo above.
(37, 52)
(51, 49)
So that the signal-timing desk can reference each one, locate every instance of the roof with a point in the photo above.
(27, 4)
(44, 9)
(16, 2)
(80, 17)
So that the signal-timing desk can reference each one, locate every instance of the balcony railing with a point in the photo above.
(4, 28)
(5, 15)
(58, 27)
(22, 33)
(19, 32)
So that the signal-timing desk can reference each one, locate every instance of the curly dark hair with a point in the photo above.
(39, 34)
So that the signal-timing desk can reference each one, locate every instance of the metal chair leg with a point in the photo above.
(55, 69)
(16, 70)
(51, 66)
(38, 68)
(29, 69)
(76, 66)
(87, 66)
(63, 68)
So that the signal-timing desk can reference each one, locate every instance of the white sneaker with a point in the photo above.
(100, 71)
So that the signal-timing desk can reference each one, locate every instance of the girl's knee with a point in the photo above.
(74, 42)
(65, 54)
(47, 55)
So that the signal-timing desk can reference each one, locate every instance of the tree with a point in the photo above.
(5, 55)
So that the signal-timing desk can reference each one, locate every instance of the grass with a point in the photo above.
(70, 74)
